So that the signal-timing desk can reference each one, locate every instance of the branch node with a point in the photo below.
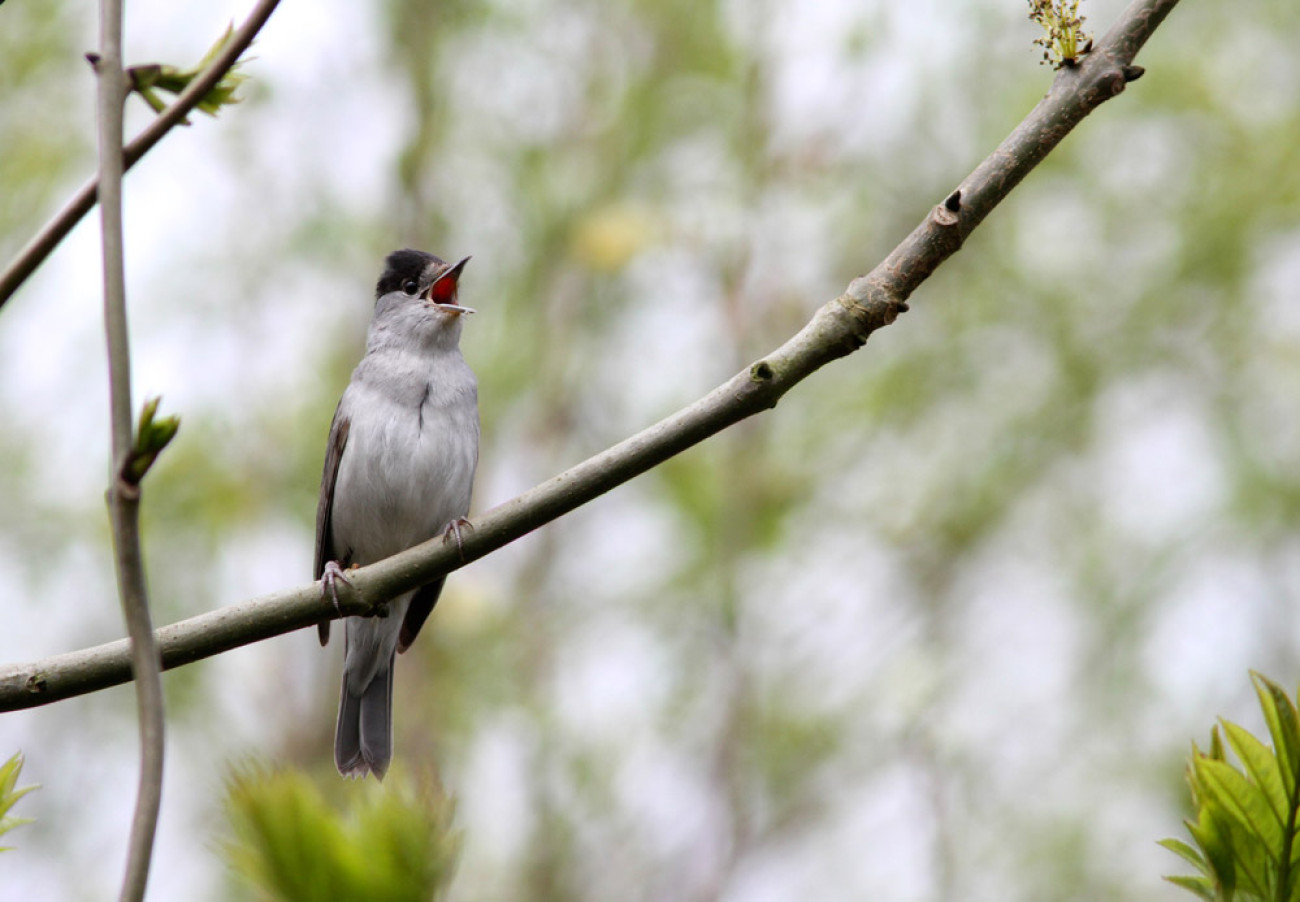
(127, 490)
(871, 306)
(36, 684)
(761, 372)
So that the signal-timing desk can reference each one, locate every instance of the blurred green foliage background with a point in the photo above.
(941, 626)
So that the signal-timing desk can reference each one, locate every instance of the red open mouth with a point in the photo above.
(442, 293)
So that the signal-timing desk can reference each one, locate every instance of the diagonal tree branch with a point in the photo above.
(836, 330)
(54, 231)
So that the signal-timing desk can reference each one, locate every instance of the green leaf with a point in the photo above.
(1216, 746)
(1244, 801)
(1240, 823)
(1264, 770)
(1198, 885)
(1283, 726)
(1255, 873)
(1212, 839)
(9, 772)
(1187, 853)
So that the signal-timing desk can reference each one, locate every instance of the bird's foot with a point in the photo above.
(329, 583)
(453, 529)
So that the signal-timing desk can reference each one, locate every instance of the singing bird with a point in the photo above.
(399, 469)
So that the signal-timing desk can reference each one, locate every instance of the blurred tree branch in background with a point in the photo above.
(837, 329)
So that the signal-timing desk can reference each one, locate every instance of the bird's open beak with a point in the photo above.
(442, 293)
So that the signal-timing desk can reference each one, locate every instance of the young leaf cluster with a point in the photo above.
(1245, 823)
(9, 772)
(148, 80)
(289, 843)
(152, 434)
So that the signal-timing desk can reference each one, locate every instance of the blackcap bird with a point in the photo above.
(399, 468)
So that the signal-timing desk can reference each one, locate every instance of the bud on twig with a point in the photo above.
(1066, 40)
(151, 436)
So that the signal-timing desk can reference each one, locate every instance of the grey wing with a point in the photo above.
(325, 550)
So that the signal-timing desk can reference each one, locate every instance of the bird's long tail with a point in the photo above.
(363, 739)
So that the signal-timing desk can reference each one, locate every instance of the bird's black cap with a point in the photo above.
(401, 266)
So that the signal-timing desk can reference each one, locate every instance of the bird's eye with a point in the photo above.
(409, 286)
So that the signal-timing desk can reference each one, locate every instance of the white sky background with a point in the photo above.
(331, 117)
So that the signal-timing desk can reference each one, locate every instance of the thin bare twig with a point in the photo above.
(123, 497)
(54, 231)
(837, 329)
